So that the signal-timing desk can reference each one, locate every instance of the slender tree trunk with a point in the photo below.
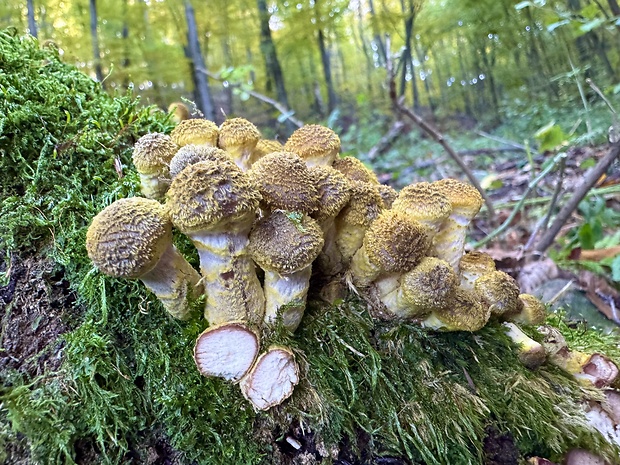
(614, 7)
(366, 48)
(125, 61)
(427, 86)
(469, 109)
(228, 62)
(409, 12)
(268, 49)
(203, 97)
(32, 23)
(95, 39)
(377, 42)
(327, 71)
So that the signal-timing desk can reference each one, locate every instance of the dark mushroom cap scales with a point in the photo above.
(238, 133)
(315, 144)
(463, 312)
(424, 202)
(190, 154)
(355, 170)
(211, 196)
(285, 242)
(500, 292)
(430, 285)
(195, 131)
(127, 238)
(152, 153)
(333, 189)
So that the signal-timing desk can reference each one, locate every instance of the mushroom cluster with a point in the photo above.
(267, 217)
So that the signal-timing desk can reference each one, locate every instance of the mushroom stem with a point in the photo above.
(285, 295)
(174, 282)
(229, 275)
(531, 353)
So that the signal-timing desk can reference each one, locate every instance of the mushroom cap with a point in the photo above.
(179, 111)
(285, 242)
(424, 202)
(210, 196)
(315, 144)
(500, 292)
(195, 131)
(388, 194)
(238, 133)
(285, 183)
(333, 189)
(462, 196)
(533, 312)
(152, 153)
(364, 205)
(127, 238)
(464, 312)
(355, 170)
(395, 242)
(430, 285)
(265, 147)
(190, 154)
(476, 262)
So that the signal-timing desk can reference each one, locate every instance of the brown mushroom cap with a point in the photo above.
(477, 262)
(364, 206)
(424, 202)
(152, 153)
(285, 242)
(533, 311)
(265, 147)
(315, 144)
(500, 292)
(333, 189)
(127, 238)
(355, 170)
(195, 131)
(238, 134)
(395, 242)
(462, 196)
(179, 111)
(388, 195)
(285, 183)
(190, 154)
(210, 196)
(464, 312)
(430, 285)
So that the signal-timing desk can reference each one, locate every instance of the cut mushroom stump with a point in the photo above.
(272, 379)
(226, 351)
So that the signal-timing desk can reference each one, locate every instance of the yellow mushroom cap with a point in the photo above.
(127, 238)
(430, 285)
(477, 262)
(388, 194)
(464, 312)
(152, 153)
(462, 196)
(500, 292)
(210, 196)
(364, 205)
(265, 147)
(195, 131)
(315, 144)
(285, 242)
(355, 170)
(532, 313)
(285, 183)
(333, 189)
(190, 154)
(424, 202)
(395, 242)
(238, 133)
(179, 111)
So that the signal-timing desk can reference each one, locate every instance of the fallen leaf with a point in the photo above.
(594, 255)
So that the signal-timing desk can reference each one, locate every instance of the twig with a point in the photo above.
(530, 187)
(589, 181)
(501, 140)
(492, 150)
(556, 194)
(434, 133)
(287, 113)
(387, 140)
(601, 95)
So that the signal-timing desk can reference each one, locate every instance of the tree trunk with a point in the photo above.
(409, 12)
(203, 97)
(377, 42)
(32, 24)
(613, 6)
(327, 72)
(366, 48)
(268, 49)
(95, 38)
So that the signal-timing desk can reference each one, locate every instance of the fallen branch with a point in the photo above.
(589, 181)
(486, 151)
(287, 113)
(396, 130)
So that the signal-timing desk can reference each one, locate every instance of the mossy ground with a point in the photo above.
(123, 371)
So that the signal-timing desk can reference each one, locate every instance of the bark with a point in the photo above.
(407, 57)
(95, 40)
(378, 43)
(32, 24)
(327, 71)
(614, 7)
(203, 97)
(268, 49)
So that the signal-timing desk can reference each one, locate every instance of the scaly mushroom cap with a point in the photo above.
(210, 196)
(179, 111)
(395, 242)
(464, 312)
(425, 203)
(239, 137)
(195, 131)
(333, 189)
(190, 154)
(388, 195)
(474, 265)
(285, 183)
(152, 153)
(285, 242)
(265, 147)
(500, 292)
(430, 285)
(461, 195)
(532, 313)
(127, 238)
(315, 144)
(355, 170)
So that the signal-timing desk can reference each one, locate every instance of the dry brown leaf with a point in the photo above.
(604, 296)
(536, 273)
(595, 255)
